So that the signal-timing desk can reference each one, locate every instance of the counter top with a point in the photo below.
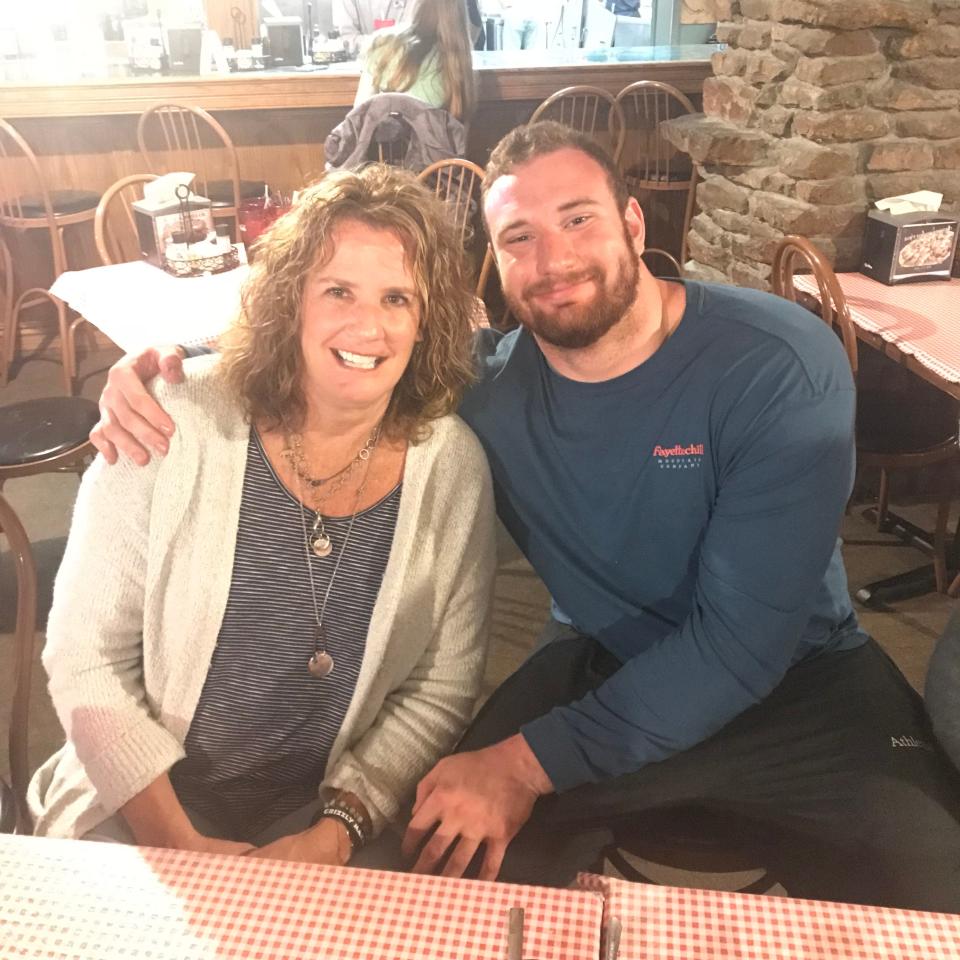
(502, 75)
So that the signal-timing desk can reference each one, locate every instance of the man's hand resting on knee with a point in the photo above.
(483, 797)
(131, 421)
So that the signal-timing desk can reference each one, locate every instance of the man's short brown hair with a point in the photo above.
(523, 144)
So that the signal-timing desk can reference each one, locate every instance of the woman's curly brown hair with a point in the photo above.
(262, 357)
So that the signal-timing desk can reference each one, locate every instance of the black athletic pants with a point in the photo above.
(839, 756)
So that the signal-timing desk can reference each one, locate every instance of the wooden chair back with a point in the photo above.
(65, 425)
(648, 161)
(654, 255)
(391, 152)
(591, 110)
(6, 307)
(21, 177)
(457, 182)
(798, 255)
(176, 136)
(24, 638)
(114, 227)
(647, 155)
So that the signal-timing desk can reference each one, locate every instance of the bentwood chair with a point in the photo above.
(591, 110)
(649, 162)
(114, 227)
(36, 436)
(655, 259)
(175, 136)
(738, 854)
(27, 204)
(6, 309)
(458, 182)
(891, 434)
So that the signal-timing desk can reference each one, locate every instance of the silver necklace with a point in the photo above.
(321, 663)
(294, 454)
(319, 541)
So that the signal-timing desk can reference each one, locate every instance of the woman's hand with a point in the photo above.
(327, 841)
(212, 845)
(156, 818)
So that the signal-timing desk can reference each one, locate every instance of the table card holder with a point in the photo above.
(210, 253)
(163, 218)
(907, 240)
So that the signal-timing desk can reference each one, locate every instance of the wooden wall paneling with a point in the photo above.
(336, 87)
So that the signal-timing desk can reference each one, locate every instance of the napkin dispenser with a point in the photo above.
(906, 239)
(163, 218)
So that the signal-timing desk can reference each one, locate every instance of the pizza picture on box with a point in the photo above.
(927, 249)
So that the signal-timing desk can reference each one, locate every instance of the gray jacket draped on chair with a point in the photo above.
(413, 132)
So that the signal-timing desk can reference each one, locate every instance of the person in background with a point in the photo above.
(525, 22)
(942, 690)
(624, 8)
(357, 19)
(430, 58)
(477, 33)
(266, 638)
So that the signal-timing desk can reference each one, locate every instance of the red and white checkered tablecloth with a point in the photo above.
(670, 923)
(84, 900)
(922, 319)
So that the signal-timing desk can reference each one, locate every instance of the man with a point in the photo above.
(674, 460)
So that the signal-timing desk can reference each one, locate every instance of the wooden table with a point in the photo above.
(916, 324)
(137, 305)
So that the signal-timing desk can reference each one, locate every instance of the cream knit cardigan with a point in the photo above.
(141, 594)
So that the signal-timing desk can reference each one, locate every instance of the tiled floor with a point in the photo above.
(908, 631)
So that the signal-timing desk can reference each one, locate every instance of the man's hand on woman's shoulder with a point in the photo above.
(131, 421)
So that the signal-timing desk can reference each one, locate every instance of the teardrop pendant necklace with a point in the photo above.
(321, 663)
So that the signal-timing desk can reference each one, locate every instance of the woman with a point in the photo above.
(430, 58)
(286, 616)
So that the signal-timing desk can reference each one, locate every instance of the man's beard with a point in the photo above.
(575, 326)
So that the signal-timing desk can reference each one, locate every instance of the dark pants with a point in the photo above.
(839, 757)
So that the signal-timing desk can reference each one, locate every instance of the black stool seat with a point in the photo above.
(63, 202)
(697, 840)
(889, 424)
(37, 429)
(220, 192)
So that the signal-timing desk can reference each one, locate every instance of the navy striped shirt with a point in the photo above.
(259, 740)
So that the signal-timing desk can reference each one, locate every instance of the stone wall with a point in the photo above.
(816, 108)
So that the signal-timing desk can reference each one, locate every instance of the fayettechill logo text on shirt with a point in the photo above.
(679, 457)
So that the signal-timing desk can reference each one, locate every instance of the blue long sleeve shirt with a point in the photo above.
(685, 514)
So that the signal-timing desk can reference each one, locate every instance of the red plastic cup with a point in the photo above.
(253, 218)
